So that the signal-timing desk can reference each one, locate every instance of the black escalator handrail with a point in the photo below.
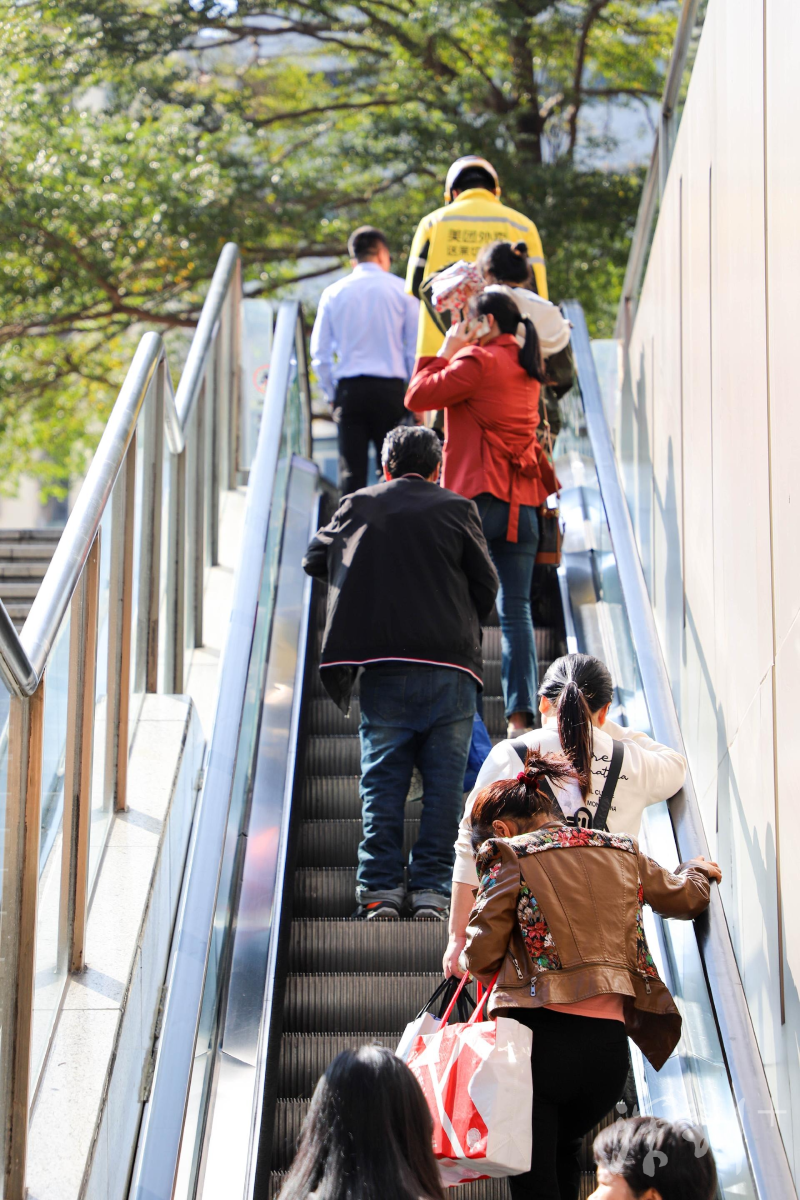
(765, 1148)
(164, 1114)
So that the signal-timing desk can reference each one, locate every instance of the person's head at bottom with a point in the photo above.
(368, 1133)
(411, 450)
(646, 1158)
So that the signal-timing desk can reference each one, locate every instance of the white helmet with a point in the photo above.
(463, 164)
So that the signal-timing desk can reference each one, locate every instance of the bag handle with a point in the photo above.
(462, 984)
(479, 1006)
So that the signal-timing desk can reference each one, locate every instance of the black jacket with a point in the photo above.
(410, 579)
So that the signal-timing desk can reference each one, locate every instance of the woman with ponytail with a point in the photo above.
(488, 386)
(574, 698)
(505, 269)
(557, 921)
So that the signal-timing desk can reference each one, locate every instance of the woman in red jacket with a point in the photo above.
(489, 389)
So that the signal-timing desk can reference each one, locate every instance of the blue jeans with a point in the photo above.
(514, 563)
(412, 714)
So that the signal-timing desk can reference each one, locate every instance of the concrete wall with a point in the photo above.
(708, 437)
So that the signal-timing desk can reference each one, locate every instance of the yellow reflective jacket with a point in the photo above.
(460, 230)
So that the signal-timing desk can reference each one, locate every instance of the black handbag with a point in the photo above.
(560, 371)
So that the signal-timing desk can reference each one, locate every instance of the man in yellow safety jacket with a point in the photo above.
(472, 217)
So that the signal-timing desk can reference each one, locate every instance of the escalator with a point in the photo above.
(351, 982)
(269, 978)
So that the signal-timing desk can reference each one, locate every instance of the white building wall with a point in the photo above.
(709, 443)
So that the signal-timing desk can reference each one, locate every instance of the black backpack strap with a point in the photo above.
(607, 795)
(521, 747)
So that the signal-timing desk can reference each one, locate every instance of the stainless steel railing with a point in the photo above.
(689, 21)
(205, 906)
(127, 576)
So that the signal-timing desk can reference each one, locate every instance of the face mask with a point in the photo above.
(480, 327)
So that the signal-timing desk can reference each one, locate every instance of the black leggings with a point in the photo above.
(579, 1066)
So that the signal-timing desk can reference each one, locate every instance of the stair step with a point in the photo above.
(325, 718)
(333, 756)
(335, 843)
(30, 535)
(481, 1189)
(18, 609)
(339, 1002)
(332, 798)
(346, 946)
(26, 551)
(304, 1057)
(19, 589)
(22, 570)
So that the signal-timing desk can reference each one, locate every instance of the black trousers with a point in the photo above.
(365, 408)
(579, 1067)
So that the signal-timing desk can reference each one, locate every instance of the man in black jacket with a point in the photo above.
(409, 582)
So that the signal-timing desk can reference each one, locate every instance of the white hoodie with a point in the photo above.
(650, 772)
(552, 327)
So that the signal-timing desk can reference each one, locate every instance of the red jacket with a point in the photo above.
(491, 412)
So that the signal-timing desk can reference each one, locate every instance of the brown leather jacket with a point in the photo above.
(559, 914)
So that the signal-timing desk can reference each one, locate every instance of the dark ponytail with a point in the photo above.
(508, 317)
(518, 799)
(578, 685)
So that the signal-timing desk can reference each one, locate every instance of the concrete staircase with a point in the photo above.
(24, 557)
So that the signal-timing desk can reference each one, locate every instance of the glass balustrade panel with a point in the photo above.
(51, 948)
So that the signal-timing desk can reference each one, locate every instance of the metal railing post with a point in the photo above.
(149, 570)
(176, 576)
(18, 945)
(78, 764)
(234, 407)
(120, 617)
(198, 501)
(212, 437)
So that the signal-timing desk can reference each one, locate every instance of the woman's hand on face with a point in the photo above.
(711, 869)
(458, 336)
(451, 955)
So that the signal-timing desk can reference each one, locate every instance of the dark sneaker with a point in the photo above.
(377, 910)
(429, 906)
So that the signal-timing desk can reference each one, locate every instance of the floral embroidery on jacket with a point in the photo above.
(536, 932)
(566, 837)
(644, 958)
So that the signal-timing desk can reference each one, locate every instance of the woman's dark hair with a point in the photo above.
(506, 263)
(518, 799)
(411, 450)
(578, 685)
(368, 1133)
(507, 315)
(674, 1158)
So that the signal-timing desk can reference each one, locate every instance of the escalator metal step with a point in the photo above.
(546, 643)
(324, 892)
(333, 756)
(332, 797)
(289, 1117)
(340, 1003)
(344, 946)
(335, 843)
(304, 1057)
(481, 1189)
(326, 718)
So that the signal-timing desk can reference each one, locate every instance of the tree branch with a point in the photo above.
(592, 13)
(263, 122)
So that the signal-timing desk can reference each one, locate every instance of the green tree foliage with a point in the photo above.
(137, 136)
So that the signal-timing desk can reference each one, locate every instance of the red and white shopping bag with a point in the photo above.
(477, 1080)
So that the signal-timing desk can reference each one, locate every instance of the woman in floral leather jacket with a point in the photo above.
(558, 920)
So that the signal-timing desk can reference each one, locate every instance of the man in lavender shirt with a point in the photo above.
(362, 349)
